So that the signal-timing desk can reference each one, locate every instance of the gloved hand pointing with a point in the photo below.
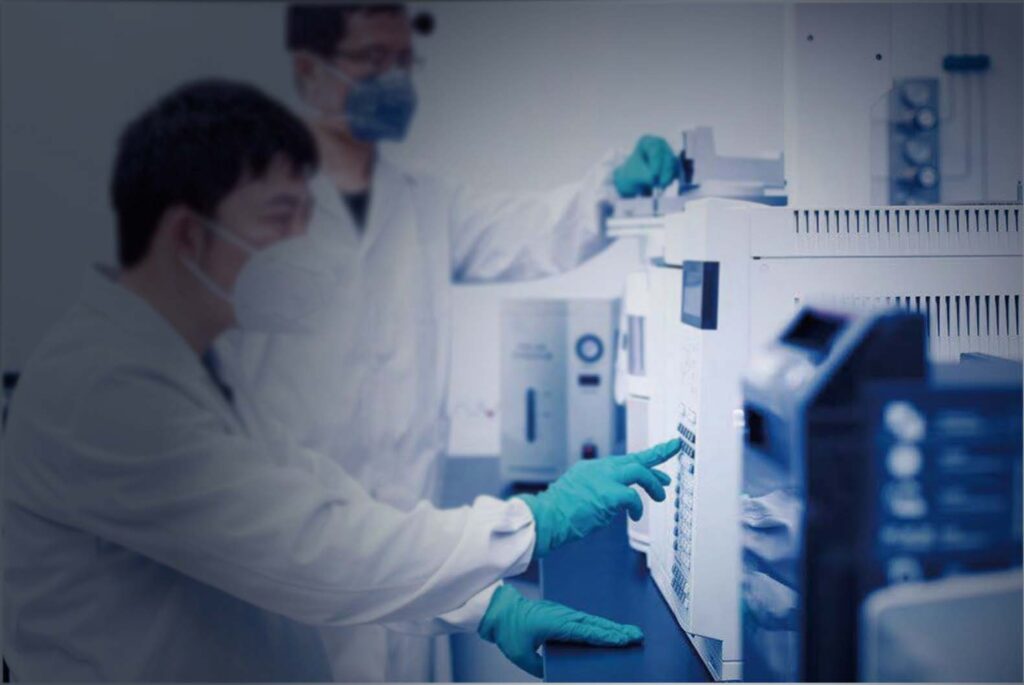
(652, 164)
(519, 626)
(591, 493)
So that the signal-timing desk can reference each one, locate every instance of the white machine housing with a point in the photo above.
(982, 643)
(758, 179)
(636, 383)
(556, 385)
(959, 265)
(632, 385)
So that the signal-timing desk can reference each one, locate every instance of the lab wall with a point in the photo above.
(514, 96)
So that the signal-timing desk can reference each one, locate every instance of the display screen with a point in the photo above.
(693, 301)
(700, 295)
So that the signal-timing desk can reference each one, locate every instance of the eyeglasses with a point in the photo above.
(379, 59)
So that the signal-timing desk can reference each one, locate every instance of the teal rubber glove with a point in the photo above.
(519, 626)
(652, 164)
(591, 493)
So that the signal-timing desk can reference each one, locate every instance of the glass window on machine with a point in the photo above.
(635, 326)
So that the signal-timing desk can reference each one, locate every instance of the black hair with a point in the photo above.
(319, 27)
(192, 148)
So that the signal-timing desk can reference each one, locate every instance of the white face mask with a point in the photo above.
(286, 287)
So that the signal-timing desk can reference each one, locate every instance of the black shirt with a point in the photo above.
(358, 204)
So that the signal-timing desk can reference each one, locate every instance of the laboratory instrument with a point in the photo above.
(900, 636)
(556, 386)
(705, 173)
(866, 468)
(733, 273)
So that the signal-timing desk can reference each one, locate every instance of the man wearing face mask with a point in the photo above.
(153, 532)
(370, 390)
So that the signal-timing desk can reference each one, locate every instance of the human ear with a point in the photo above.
(304, 71)
(184, 231)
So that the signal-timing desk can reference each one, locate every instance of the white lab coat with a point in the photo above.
(151, 534)
(372, 390)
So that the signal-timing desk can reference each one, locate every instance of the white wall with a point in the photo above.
(516, 95)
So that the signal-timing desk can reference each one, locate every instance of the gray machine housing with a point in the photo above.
(557, 404)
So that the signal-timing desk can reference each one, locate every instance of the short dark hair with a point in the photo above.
(319, 28)
(192, 148)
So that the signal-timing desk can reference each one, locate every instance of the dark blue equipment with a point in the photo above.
(864, 468)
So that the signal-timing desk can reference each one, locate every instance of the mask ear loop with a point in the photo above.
(229, 236)
(347, 80)
(193, 266)
(338, 73)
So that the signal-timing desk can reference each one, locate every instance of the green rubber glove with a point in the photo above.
(591, 493)
(652, 164)
(519, 626)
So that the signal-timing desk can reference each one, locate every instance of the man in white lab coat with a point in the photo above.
(153, 531)
(371, 389)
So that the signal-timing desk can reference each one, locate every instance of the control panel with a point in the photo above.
(682, 516)
(694, 551)
(738, 272)
(683, 542)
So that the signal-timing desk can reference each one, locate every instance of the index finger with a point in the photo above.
(658, 453)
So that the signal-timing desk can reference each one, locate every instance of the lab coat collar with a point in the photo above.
(384, 196)
(333, 219)
(103, 294)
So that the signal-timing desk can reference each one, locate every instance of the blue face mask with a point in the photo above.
(379, 107)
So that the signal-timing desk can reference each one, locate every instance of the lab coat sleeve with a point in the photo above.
(144, 465)
(465, 618)
(507, 237)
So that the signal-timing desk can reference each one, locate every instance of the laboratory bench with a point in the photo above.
(600, 575)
